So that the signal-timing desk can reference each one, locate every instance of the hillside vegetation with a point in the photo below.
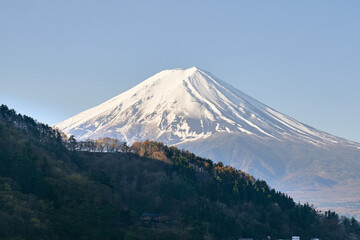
(49, 189)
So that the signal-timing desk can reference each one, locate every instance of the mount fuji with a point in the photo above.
(192, 109)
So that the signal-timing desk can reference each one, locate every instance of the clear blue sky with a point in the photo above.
(58, 58)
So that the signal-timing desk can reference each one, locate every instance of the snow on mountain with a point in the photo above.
(192, 109)
(179, 105)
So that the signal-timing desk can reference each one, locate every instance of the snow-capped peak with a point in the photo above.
(181, 105)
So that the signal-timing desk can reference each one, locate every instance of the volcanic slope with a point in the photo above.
(193, 109)
(179, 105)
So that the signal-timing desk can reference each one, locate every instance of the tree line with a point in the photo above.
(105, 144)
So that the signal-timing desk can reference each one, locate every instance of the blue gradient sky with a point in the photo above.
(302, 58)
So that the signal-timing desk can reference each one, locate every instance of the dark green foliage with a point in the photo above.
(49, 192)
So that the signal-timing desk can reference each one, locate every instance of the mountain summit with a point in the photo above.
(194, 110)
(179, 105)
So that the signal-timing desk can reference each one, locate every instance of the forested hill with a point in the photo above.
(146, 191)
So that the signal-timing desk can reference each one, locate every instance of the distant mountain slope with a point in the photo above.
(179, 105)
(193, 109)
(325, 176)
(48, 192)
